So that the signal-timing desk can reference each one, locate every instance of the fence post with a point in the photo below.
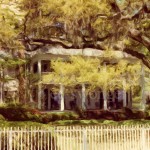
(85, 139)
(143, 139)
(10, 139)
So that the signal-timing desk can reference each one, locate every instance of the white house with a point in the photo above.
(43, 97)
(46, 99)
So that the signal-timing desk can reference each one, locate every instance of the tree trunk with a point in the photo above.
(22, 84)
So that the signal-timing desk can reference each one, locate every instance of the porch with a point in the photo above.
(60, 98)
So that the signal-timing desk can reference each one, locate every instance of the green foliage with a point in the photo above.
(10, 19)
(19, 112)
(2, 118)
(50, 117)
(94, 72)
(20, 124)
(79, 23)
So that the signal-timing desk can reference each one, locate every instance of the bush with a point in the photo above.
(2, 118)
(49, 117)
(128, 112)
(19, 112)
(80, 112)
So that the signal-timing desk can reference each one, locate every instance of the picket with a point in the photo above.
(76, 138)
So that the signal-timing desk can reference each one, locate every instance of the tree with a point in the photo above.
(95, 73)
(100, 24)
(9, 63)
(10, 22)
(28, 25)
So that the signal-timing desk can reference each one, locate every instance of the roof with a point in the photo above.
(70, 52)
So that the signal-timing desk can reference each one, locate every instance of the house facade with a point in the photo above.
(41, 94)
(45, 98)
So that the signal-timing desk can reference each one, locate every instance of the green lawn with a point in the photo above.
(73, 122)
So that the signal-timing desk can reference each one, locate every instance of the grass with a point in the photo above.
(73, 122)
(99, 122)
(20, 124)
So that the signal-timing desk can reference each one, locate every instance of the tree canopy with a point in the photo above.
(99, 24)
(94, 72)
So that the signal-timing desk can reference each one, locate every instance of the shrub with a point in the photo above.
(128, 112)
(73, 116)
(49, 117)
(80, 112)
(2, 118)
(19, 112)
(141, 114)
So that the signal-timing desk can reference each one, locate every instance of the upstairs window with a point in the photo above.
(45, 64)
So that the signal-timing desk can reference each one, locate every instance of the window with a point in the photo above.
(35, 67)
(46, 66)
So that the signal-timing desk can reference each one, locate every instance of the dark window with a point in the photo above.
(46, 66)
(34, 94)
(35, 68)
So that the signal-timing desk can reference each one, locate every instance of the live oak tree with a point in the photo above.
(27, 25)
(100, 24)
(10, 21)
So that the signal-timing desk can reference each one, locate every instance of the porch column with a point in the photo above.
(83, 96)
(129, 99)
(62, 97)
(105, 90)
(105, 99)
(39, 96)
(124, 94)
(39, 86)
(39, 68)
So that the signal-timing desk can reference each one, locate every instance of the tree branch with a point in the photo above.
(138, 55)
(139, 37)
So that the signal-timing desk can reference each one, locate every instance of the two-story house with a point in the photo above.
(45, 99)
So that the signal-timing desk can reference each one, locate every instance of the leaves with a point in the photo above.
(94, 72)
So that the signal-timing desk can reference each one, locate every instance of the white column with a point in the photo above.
(62, 97)
(39, 86)
(39, 96)
(124, 93)
(39, 68)
(129, 99)
(105, 98)
(104, 90)
(83, 96)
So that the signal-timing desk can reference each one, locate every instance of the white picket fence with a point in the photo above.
(76, 138)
